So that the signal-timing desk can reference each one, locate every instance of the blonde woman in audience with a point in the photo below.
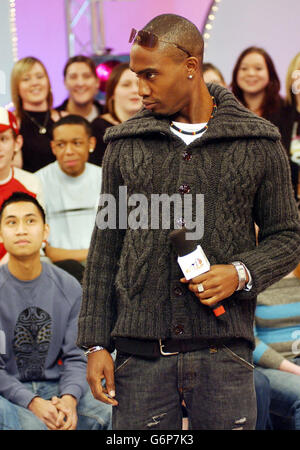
(32, 97)
(121, 102)
(289, 123)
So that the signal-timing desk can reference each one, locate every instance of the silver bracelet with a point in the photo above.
(242, 275)
(96, 348)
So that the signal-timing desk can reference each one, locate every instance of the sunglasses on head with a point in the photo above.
(150, 40)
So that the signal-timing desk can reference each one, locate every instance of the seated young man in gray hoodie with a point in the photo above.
(42, 371)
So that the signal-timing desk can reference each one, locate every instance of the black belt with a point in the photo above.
(165, 347)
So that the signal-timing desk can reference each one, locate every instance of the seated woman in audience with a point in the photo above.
(212, 74)
(122, 102)
(32, 98)
(289, 122)
(256, 84)
(82, 83)
(277, 352)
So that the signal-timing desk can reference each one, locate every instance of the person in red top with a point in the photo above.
(13, 179)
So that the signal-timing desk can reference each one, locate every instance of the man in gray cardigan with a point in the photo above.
(197, 141)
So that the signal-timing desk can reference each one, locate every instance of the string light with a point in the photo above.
(14, 39)
(210, 22)
(13, 29)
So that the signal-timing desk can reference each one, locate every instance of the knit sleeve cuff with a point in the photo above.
(74, 390)
(23, 397)
(265, 356)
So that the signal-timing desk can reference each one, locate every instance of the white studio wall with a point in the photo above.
(270, 24)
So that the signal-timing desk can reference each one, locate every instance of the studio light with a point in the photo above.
(104, 70)
(104, 65)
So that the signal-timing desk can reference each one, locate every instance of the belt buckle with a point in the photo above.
(161, 345)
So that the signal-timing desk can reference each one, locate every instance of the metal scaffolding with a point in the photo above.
(85, 27)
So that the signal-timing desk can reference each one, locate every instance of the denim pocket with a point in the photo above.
(237, 358)
(122, 360)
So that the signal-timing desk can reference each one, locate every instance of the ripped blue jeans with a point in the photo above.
(216, 384)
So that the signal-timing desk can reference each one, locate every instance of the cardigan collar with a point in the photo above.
(231, 121)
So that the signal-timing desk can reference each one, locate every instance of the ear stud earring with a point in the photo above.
(190, 77)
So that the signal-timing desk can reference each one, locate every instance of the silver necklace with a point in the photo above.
(42, 128)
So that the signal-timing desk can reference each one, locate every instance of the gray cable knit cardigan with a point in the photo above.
(131, 284)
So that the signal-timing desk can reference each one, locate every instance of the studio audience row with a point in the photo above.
(254, 82)
(33, 100)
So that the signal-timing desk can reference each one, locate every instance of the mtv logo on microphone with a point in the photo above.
(2, 343)
(194, 263)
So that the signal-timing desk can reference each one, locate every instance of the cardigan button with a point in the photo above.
(178, 291)
(187, 156)
(179, 329)
(184, 189)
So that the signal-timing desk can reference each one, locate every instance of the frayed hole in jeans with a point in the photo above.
(156, 420)
(239, 422)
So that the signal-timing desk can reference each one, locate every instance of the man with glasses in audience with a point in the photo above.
(190, 138)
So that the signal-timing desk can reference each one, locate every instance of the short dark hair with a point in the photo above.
(73, 119)
(81, 59)
(18, 197)
(179, 30)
